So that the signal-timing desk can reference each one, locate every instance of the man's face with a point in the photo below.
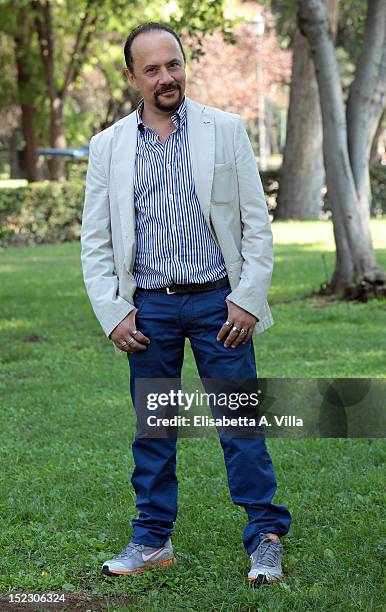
(159, 70)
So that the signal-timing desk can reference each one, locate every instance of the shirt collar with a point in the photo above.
(178, 117)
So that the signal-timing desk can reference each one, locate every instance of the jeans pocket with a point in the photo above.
(223, 294)
(139, 301)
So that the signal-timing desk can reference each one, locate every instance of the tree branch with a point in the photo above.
(367, 90)
(79, 50)
(43, 25)
(378, 102)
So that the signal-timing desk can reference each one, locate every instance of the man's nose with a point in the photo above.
(165, 77)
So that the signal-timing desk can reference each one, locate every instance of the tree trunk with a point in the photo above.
(367, 100)
(351, 225)
(302, 173)
(28, 119)
(344, 269)
(25, 86)
(56, 165)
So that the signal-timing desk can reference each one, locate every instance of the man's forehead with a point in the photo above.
(152, 45)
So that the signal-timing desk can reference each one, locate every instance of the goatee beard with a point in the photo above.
(169, 107)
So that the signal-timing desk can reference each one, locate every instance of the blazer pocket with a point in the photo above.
(223, 189)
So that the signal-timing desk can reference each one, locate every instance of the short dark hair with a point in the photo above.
(149, 26)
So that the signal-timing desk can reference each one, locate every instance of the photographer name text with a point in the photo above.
(224, 421)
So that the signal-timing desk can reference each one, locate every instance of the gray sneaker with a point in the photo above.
(139, 558)
(266, 560)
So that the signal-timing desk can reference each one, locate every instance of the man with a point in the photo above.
(176, 243)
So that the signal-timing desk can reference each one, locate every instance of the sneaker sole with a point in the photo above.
(171, 561)
(261, 579)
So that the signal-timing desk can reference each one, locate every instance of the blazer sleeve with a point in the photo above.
(97, 256)
(256, 243)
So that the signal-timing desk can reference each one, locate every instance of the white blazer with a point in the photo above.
(231, 196)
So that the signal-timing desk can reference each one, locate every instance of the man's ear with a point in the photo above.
(130, 77)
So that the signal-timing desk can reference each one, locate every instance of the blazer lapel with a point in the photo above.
(202, 148)
(123, 163)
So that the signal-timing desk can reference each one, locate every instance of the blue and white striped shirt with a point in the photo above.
(174, 244)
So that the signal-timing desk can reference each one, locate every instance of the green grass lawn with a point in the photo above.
(66, 425)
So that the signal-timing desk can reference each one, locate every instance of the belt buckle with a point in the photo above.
(169, 292)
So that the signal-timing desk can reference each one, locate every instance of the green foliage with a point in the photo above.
(41, 213)
(81, 123)
(8, 93)
(17, 39)
(197, 18)
(101, 50)
(284, 12)
(378, 190)
(351, 24)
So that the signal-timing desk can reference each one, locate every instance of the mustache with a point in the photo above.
(158, 92)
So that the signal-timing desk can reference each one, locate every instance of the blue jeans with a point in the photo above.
(167, 320)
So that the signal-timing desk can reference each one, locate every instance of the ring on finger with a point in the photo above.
(134, 332)
(235, 329)
(228, 323)
(243, 330)
(131, 341)
(123, 343)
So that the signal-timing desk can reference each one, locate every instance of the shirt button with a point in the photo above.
(171, 196)
(169, 166)
(174, 227)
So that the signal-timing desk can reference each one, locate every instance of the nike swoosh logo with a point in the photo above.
(152, 555)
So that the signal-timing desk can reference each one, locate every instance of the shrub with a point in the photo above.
(51, 212)
(39, 213)
(271, 180)
(378, 190)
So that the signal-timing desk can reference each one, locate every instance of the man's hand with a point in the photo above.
(243, 321)
(126, 337)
